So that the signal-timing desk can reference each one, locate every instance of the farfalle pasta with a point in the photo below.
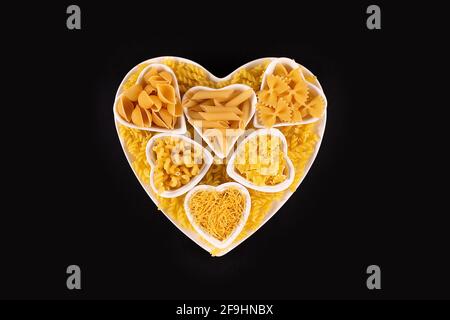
(286, 98)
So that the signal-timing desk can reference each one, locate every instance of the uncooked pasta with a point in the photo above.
(301, 141)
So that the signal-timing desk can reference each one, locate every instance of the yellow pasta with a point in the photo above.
(227, 110)
(154, 104)
(176, 163)
(301, 141)
(209, 94)
(211, 124)
(217, 116)
(125, 107)
(287, 97)
(240, 98)
(261, 161)
(220, 109)
(218, 213)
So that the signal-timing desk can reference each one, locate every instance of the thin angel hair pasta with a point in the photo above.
(218, 213)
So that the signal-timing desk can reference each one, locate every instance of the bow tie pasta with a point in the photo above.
(287, 97)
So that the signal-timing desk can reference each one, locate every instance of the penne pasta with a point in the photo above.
(189, 103)
(194, 115)
(204, 124)
(219, 113)
(209, 94)
(214, 109)
(219, 116)
(245, 110)
(239, 98)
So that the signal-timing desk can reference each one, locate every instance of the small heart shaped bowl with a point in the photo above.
(233, 173)
(207, 158)
(215, 242)
(315, 88)
(180, 126)
(240, 87)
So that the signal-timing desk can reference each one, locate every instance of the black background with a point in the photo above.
(360, 204)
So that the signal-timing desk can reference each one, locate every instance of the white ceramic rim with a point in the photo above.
(217, 243)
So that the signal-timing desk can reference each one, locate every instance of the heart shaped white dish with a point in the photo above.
(308, 91)
(205, 157)
(304, 138)
(140, 87)
(229, 238)
(262, 133)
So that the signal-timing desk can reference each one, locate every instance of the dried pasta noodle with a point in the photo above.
(220, 114)
(218, 213)
(286, 97)
(151, 104)
(261, 161)
(176, 163)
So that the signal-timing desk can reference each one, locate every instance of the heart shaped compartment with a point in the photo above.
(273, 155)
(152, 103)
(289, 95)
(176, 169)
(220, 116)
(217, 201)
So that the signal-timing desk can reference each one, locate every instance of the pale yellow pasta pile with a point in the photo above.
(217, 213)
(301, 142)
(135, 142)
(188, 75)
(176, 163)
(261, 161)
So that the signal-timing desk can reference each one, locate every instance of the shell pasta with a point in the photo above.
(151, 104)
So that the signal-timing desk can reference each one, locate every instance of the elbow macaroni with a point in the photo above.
(176, 163)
